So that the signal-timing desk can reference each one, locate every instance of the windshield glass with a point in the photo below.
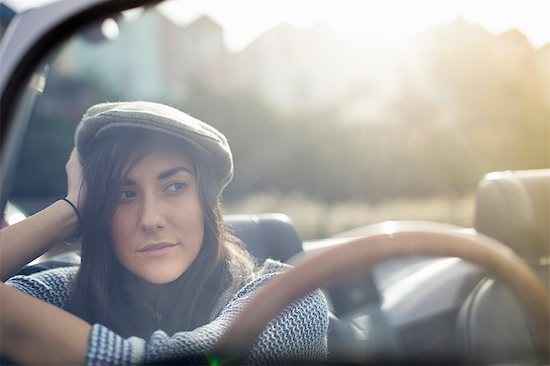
(338, 114)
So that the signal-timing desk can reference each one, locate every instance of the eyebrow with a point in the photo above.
(163, 175)
(173, 171)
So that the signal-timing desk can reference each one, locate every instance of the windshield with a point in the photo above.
(338, 114)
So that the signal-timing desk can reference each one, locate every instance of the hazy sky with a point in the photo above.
(243, 21)
(369, 19)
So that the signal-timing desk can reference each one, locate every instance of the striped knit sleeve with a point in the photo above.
(52, 286)
(300, 331)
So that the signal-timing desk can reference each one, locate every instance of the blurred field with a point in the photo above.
(316, 220)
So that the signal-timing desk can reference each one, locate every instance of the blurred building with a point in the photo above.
(158, 56)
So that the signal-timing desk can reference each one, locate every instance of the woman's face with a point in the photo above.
(157, 228)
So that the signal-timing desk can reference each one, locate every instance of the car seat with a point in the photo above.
(512, 207)
(270, 235)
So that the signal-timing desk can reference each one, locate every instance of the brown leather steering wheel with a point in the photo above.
(386, 241)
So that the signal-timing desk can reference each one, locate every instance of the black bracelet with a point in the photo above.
(77, 213)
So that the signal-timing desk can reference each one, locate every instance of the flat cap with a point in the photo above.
(104, 117)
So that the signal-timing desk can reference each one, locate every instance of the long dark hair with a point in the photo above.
(105, 292)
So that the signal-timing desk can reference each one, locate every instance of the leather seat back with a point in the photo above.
(513, 207)
(269, 235)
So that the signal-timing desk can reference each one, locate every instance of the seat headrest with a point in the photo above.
(512, 207)
(266, 235)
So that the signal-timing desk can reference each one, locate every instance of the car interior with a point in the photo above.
(476, 319)
(409, 309)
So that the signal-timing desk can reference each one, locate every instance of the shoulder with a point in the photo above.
(268, 270)
(243, 286)
(51, 285)
(300, 330)
(273, 266)
(272, 269)
(311, 308)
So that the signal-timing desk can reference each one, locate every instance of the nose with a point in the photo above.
(152, 216)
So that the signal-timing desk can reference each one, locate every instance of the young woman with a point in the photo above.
(160, 277)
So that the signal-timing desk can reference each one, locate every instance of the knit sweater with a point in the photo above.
(299, 332)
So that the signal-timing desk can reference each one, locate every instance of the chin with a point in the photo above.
(161, 277)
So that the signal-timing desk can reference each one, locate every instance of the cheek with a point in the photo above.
(120, 232)
(190, 223)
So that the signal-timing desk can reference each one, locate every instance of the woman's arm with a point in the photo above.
(22, 242)
(34, 332)
(299, 332)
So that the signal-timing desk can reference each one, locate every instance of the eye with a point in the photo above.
(126, 195)
(176, 187)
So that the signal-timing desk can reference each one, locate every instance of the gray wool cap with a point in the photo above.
(104, 117)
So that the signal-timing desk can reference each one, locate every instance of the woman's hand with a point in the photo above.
(28, 239)
(75, 185)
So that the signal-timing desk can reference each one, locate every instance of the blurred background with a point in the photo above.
(339, 114)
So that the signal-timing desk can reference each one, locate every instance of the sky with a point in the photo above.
(243, 21)
(378, 20)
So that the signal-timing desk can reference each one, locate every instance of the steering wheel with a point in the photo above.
(384, 242)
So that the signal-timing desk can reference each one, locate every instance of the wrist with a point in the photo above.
(74, 198)
(73, 206)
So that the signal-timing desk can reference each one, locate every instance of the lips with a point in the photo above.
(156, 249)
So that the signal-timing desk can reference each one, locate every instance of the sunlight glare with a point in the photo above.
(15, 218)
(371, 20)
(389, 227)
(110, 29)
